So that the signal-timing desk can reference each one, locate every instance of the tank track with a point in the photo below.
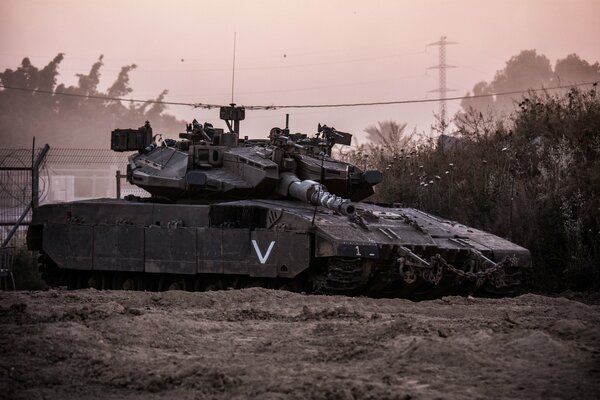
(341, 277)
(56, 277)
(49, 272)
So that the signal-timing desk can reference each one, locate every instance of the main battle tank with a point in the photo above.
(280, 212)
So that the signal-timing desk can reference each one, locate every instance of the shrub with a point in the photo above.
(534, 178)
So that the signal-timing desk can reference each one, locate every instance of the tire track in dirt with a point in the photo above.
(259, 343)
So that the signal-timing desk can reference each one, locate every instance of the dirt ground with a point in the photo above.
(258, 343)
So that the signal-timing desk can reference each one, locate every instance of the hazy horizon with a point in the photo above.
(295, 52)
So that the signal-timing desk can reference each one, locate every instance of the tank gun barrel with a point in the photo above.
(313, 193)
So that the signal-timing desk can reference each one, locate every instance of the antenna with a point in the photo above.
(233, 68)
(320, 185)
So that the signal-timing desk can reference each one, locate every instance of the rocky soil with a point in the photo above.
(258, 343)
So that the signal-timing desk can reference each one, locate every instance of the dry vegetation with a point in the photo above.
(534, 178)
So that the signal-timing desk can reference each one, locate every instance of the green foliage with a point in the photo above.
(534, 178)
(67, 120)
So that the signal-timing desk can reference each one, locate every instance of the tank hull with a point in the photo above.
(379, 251)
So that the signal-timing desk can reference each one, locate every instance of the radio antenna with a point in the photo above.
(233, 68)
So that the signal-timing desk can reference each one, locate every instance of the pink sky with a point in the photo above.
(296, 52)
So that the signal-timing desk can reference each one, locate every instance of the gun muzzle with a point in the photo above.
(314, 193)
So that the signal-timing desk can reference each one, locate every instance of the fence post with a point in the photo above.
(34, 178)
(118, 184)
(35, 165)
(35, 175)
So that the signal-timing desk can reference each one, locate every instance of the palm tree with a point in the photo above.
(389, 135)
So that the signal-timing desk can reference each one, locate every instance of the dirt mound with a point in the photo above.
(259, 343)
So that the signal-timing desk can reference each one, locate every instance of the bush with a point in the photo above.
(534, 178)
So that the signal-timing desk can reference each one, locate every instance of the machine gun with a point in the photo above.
(333, 136)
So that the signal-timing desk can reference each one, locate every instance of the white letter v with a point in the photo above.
(261, 258)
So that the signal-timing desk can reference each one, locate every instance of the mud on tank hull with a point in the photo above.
(378, 251)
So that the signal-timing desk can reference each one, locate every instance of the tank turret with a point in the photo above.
(209, 164)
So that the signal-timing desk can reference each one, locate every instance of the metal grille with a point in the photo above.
(15, 191)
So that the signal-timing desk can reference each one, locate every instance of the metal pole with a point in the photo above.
(118, 184)
(35, 176)
(14, 228)
(34, 180)
(233, 68)
(442, 67)
(512, 199)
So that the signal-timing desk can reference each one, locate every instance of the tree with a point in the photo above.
(64, 120)
(389, 135)
(89, 83)
(573, 69)
(524, 71)
(527, 70)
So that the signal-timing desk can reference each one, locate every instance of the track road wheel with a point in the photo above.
(128, 282)
(209, 284)
(174, 283)
(249, 282)
(95, 280)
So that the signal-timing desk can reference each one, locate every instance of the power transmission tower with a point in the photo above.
(442, 66)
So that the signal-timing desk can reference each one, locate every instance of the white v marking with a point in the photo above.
(261, 258)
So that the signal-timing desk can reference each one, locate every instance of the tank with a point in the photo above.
(279, 212)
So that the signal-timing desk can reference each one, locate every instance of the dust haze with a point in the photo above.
(35, 103)
(286, 53)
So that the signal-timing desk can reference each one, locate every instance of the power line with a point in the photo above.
(383, 103)
(276, 107)
(108, 98)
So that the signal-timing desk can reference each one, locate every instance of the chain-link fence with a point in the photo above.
(15, 191)
(64, 175)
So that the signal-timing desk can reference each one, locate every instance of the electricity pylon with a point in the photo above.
(442, 66)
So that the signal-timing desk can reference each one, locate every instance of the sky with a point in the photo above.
(295, 51)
